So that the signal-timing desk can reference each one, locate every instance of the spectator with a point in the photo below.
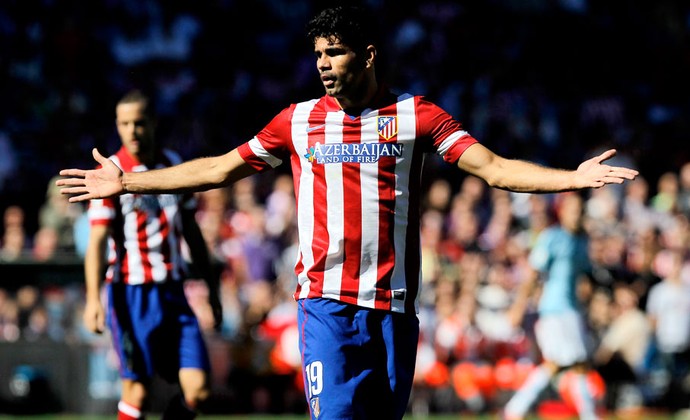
(599, 314)
(684, 189)
(9, 318)
(668, 309)
(620, 356)
(15, 241)
(58, 215)
(439, 196)
(637, 214)
(280, 209)
(45, 244)
(213, 218)
(667, 189)
(37, 325)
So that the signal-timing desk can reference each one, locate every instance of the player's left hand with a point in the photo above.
(593, 173)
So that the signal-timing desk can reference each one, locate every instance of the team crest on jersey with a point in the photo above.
(387, 127)
(315, 407)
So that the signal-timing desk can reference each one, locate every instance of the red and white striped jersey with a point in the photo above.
(144, 244)
(357, 186)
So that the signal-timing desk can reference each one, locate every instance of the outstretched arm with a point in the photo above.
(523, 176)
(194, 175)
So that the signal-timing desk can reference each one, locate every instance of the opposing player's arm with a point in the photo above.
(523, 176)
(195, 175)
(517, 310)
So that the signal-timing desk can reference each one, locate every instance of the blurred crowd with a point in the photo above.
(475, 242)
(548, 80)
(554, 82)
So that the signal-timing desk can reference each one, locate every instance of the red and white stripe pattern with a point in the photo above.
(357, 185)
(145, 241)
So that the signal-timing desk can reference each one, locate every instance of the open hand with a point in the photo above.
(593, 173)
(105, 181)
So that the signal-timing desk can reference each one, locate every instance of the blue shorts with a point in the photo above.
(154, 330)
(358, 363)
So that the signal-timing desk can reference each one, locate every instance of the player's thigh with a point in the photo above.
(179, 342)
(562, 338)
(133, 317)
(358, 363)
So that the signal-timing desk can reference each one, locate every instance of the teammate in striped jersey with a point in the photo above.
(356, 155)
(136, 240)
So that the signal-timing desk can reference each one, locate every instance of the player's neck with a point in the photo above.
(359, 100)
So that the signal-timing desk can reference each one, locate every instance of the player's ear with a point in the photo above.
(370, 56)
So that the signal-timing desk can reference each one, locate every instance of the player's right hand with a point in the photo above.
(103, 182)
(94, 317)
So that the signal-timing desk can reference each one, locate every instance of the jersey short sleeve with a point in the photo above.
(449, 138)
(101, 212)
(271, 145)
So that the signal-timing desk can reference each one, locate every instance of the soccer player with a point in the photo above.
(136, 239)
(356, 155)
(560, 258)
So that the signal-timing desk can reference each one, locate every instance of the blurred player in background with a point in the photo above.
(560, 258)
(140, 240)
(356, 156)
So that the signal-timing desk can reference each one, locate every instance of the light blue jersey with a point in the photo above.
(561, 258)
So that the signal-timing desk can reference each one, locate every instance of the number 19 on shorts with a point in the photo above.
(314, 373)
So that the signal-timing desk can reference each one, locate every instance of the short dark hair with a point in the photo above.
(138, 96)
(351, 25)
